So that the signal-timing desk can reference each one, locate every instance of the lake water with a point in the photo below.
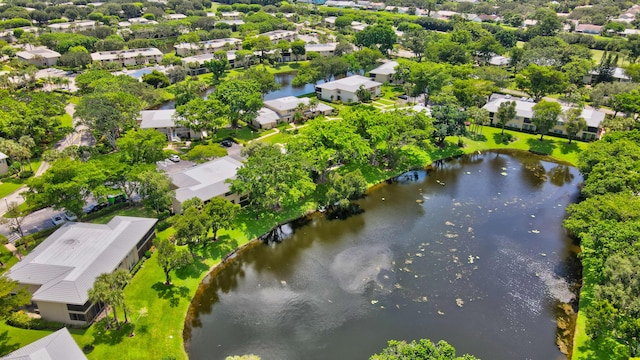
(472, 252)
(286, 89)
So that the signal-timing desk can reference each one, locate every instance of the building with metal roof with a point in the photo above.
(384, 73)
(164, 121)
(345, 89)
(205, 181)
(60, 271)
(524, 114)
(57, 346)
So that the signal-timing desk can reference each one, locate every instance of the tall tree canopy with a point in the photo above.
(243, 98)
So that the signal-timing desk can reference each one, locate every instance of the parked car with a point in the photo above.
(58, 219)
(70, 216)
(226, 143)
(403, 97)
(174, 158)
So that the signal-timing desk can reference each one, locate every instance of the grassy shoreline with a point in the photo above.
(155, 310)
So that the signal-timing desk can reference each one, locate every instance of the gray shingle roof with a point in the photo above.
(351, 83)
(205, 181)
(57, 346)
(67, 263)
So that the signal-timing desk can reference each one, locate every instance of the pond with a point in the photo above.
(472, 252)
(286, 89)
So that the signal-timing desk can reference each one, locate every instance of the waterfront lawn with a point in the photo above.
(242, 135)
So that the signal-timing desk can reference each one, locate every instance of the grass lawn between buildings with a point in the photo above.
(157, 312)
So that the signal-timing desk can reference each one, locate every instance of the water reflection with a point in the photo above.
(471, 251)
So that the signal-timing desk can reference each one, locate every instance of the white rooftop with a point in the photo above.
(215, 43)
(154, 119)
(351, 83)
(267, 116)
(67, 263)
(320, 47)
(205, 181)
(387, 68)
(39, 51)
(57, 346)
(125, 54)
(289, 103)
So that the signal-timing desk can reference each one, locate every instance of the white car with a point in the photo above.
(174, 158)
(70, 216)
(58, 220)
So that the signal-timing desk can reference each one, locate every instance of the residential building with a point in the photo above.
(176, 16)
(233, 23)
(499, 60)
(4, 165)
(284, 109)
(588, 29)
(205, 181)
(57, 346)
(524, 113)
(357, 26)
(231, 15)
(489, 18)
(195, 64)
(345, 89)
(129, 57)
(617, 75)
(384, 73)
(327, 49)
(73, 26)
(60, 271)
(164, 122)
(205, 47)
(39, 56)
(341, 4)
(277, 35)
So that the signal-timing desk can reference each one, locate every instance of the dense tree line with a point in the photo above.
(607, 222)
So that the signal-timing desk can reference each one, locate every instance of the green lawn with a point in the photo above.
(8, 186)
(597, 56)
(242, 135)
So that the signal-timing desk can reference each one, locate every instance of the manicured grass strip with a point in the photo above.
(8, 186)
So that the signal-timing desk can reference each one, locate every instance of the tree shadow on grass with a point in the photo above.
(544, 147)
(477, 137)
(603, 348)
(5, 345)
(112, 336)
(567, 148)
(172, 293)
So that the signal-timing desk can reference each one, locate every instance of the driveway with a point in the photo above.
(171, 167)
(235, 152)
(34, 222)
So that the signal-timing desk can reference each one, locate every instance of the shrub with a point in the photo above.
(147, 254)
(162, 225)
(201, 153)
(25, 174)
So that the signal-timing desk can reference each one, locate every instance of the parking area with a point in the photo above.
(173, 167)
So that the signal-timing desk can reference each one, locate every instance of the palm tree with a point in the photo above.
(120, 278)
(313, 104)
(298, 114)
(101, 292)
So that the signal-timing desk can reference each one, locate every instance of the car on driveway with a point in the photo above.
(174, 158)
(58, 219)
(226, 143)
(70, 216)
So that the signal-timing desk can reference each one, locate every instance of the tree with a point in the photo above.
(12, 296)
(577, 69)
(260, 43)
(270, 178)
(548, 22)
(479, 117)
(155, 190)
(604, 71)
(14, 217)
(219, 214)
(76, 57)
(156, 79)
(218, 64)
(170, 257)
(416, 41)
(506, 112)
(545, 116)
(65, 185)
(109, 113)
(243, 98)
(102, 292)
(298, 49)
(573, 122)
(189, 228)
(202, 115)
(539, 81)
(142, 146)
(422, 349)
(629, 103)
(363, 94)
(343, 188)
(449, 121)
(367, 58)
(382, 36)
(266, 80)
(186, 91)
